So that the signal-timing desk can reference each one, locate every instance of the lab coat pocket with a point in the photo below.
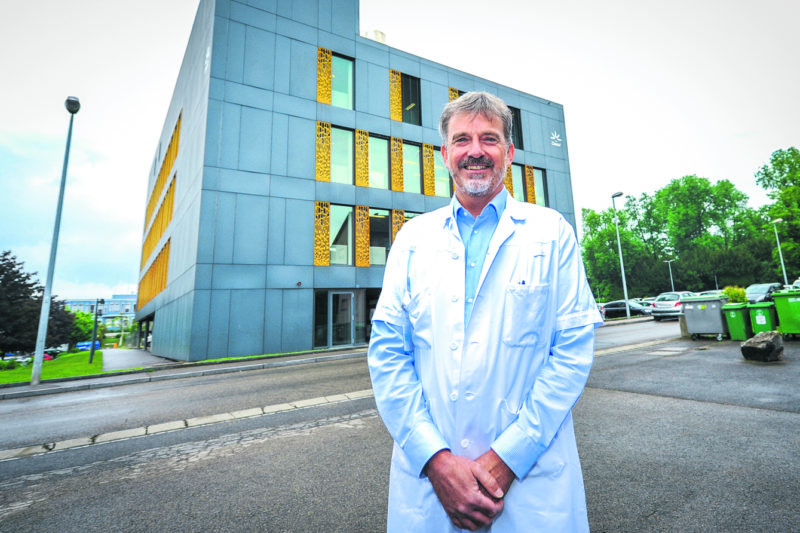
(523, 313)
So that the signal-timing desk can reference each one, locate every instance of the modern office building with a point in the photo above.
(115, 311)
(292, 153)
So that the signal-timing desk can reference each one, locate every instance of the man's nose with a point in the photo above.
(475, 148)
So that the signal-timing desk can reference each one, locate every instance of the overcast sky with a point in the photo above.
(652, 91)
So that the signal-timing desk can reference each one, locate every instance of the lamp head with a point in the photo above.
(72, 104)
(616, 194)
(777, 220)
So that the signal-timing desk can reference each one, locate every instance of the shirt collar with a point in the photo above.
(498, 204)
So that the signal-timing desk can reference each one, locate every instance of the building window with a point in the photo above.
(408, 215)
(341, 236)
(518, 182)
(378, 162)
(342, 82)
(379, 236)
(342, 156)
(540, 181)
(412, 113)
(404, 98)
(516, 128)
(441, 175)
(412, 168)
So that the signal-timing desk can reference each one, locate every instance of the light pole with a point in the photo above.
(97, 311)
(73, 105)
(621, 264)
(669, 264)
(783, 267)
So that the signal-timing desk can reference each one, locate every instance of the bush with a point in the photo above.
(11, 364)
(735, 294)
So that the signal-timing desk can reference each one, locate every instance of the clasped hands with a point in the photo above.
(471, 492)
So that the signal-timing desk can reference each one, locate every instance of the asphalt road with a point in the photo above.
(673, 436)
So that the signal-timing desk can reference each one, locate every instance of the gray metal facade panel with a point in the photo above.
(252, 16)
(279, 148)
(199, 324)
(255, 140)
(219, 323)
(259, 61)
(245, 182)
(246, 335)
(273, 320)
(276, 238)
(224, 216)
(250, 230)
(299, 233)
(298, 323)
(295, 188)
(334, 277)
(288, 276)
(234, 64)
(239, 277)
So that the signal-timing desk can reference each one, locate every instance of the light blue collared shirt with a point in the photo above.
(476, 233)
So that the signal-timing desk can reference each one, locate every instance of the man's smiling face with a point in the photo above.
(476, 155)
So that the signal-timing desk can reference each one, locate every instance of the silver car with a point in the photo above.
(668, 304)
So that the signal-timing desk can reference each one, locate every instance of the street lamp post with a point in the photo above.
(73, 105)
(669, 264)
(97, 311)
(621, 264)
(780, 253)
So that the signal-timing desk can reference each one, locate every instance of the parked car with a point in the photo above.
(761, 292)
(616, 309)
(668, 304)
(715, 293)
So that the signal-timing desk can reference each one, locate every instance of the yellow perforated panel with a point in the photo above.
(322, 234)
(395, 96)
(323, 75)
(362, 158)
(509, 181)
(397, 164)
(530, 184)
(428, 179)
(323, 151)
(160, 223)
(155, 279)
(398, 219)
(164, 172)
(362, 236)
(453, 93)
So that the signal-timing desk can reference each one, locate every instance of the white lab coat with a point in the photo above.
(507, 380)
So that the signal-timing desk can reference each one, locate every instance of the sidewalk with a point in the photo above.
(153, 368)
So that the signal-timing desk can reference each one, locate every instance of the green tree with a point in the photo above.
(82, 328)
(20, 307)
(781, 179)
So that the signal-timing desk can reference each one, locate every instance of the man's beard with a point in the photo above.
(479, 187)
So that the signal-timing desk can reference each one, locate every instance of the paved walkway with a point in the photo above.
(129, 358)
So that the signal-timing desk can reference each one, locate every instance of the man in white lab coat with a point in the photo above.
(482, 342)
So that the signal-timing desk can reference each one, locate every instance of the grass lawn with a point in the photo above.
(64, 366)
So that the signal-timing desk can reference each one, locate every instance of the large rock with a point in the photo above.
(766, 346)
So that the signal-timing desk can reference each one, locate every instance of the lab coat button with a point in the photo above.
(454, 298)
(453, 396)
(455, 255)
(465, 443)
(454, 346)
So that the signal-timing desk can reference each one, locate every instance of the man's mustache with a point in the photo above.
(482, 160)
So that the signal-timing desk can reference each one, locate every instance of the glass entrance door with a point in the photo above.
(340, 317)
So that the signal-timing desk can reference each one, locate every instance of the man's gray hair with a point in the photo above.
(477, 103)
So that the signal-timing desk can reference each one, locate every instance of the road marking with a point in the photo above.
(17, 453)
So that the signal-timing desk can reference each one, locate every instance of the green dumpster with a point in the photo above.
(738, 321)
(787, 306)
(763, 317)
